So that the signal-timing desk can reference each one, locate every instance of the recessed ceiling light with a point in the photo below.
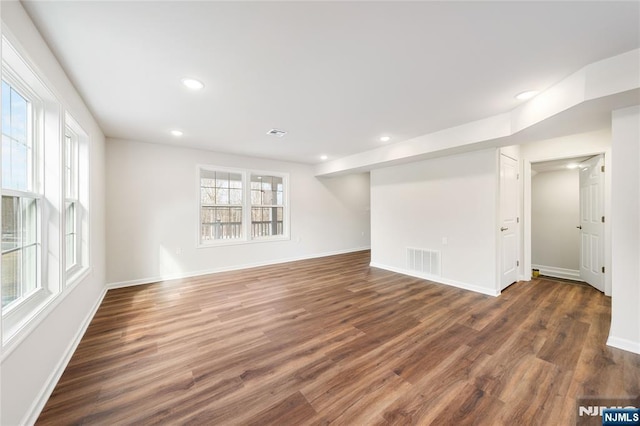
(385, 138)
(176, 133)
(526, 95)
(323, 157)
(572, 166)
(192, 83)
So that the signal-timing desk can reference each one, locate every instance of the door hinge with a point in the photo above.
(602, 219)
(517, 263)
(517, 220)
(602, 169)
(517, 176)
(603, 269)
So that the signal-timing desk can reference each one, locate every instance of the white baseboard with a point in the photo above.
(624, 344)
(551, 271)
(39, 403)
(151, 280)
(439, 280)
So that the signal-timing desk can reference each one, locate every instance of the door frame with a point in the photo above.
(518, 228)
(526, 213)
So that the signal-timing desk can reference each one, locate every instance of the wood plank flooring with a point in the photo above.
(333, 341)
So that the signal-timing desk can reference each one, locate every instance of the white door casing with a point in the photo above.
(592, 222)
(509, 221)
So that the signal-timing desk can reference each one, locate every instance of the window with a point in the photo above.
(241, 206)
(267, 205)
(221, 205)
(17, 140)
(20, 198)
(45, 198)
(76, 200)
(71, 228)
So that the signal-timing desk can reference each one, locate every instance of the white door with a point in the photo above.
(592, 222)
(509, 221)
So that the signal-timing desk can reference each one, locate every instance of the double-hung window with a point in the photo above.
(45, 198)
(267, 205)
(237, 206)
(71, 228)
(76, 200)
(21, 198)
(221, 208)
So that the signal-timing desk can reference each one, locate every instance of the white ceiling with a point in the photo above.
(335, 75)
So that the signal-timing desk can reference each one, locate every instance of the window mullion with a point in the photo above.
(246, 206)
(21, 194)
(20, 253)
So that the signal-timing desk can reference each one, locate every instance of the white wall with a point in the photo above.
(152, 214)
(575, 145)
(31, 367)
(418, 204)
(625, 215)
(555, 213)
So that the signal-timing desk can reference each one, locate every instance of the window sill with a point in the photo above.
(224, 243)
(16, 322)
(15, 332)
(77, 275)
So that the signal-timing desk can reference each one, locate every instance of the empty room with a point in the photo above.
(331, 212)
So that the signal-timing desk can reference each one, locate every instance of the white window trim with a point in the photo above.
(21, 307)
(36, 130)
(246, 208)
(80, 270)
(56, 284)
(77, 262)
(15, 71)
(285, 201)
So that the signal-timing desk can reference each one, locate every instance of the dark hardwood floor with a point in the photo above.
(332, 340)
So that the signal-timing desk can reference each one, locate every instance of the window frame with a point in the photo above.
(17, 314)
(71, 142)
(50, 118)
(80, 269)
(271, 206)
(19, 308)
(246, 233)
(243, 230)
(34, 113)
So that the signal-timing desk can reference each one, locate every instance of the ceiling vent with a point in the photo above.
(276, 132)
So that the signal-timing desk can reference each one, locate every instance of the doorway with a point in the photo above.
(509, 221)
(567, 219)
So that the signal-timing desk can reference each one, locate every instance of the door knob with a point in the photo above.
(503, 229)
(579, 227)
